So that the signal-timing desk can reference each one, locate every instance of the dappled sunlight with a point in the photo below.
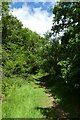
(41, 75)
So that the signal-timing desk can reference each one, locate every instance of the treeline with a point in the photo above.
(22, 48)
(67, 20)
(26, 53)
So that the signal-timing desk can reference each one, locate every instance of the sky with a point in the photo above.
(34, 15)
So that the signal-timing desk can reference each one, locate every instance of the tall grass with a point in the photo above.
(22, 102)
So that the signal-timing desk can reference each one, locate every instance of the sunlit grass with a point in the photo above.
(22, 102)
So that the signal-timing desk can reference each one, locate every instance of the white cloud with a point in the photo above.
(0, 17)
(37, 20)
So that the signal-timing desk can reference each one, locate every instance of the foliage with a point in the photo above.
(21, 48)
(66, 19)
(25, 52)
(27, 57)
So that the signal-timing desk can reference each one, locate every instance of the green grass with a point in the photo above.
(0, 110)
(22, 102)
(25, 101)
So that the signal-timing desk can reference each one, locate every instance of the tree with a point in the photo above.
(67, 19)
(21, 47)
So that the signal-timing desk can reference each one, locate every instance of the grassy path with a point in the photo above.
(25, 101)
(31, 101)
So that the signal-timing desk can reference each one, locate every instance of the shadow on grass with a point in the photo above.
(48, 113)
(69, 103)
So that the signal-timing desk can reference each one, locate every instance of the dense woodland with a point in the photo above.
(28, 56)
